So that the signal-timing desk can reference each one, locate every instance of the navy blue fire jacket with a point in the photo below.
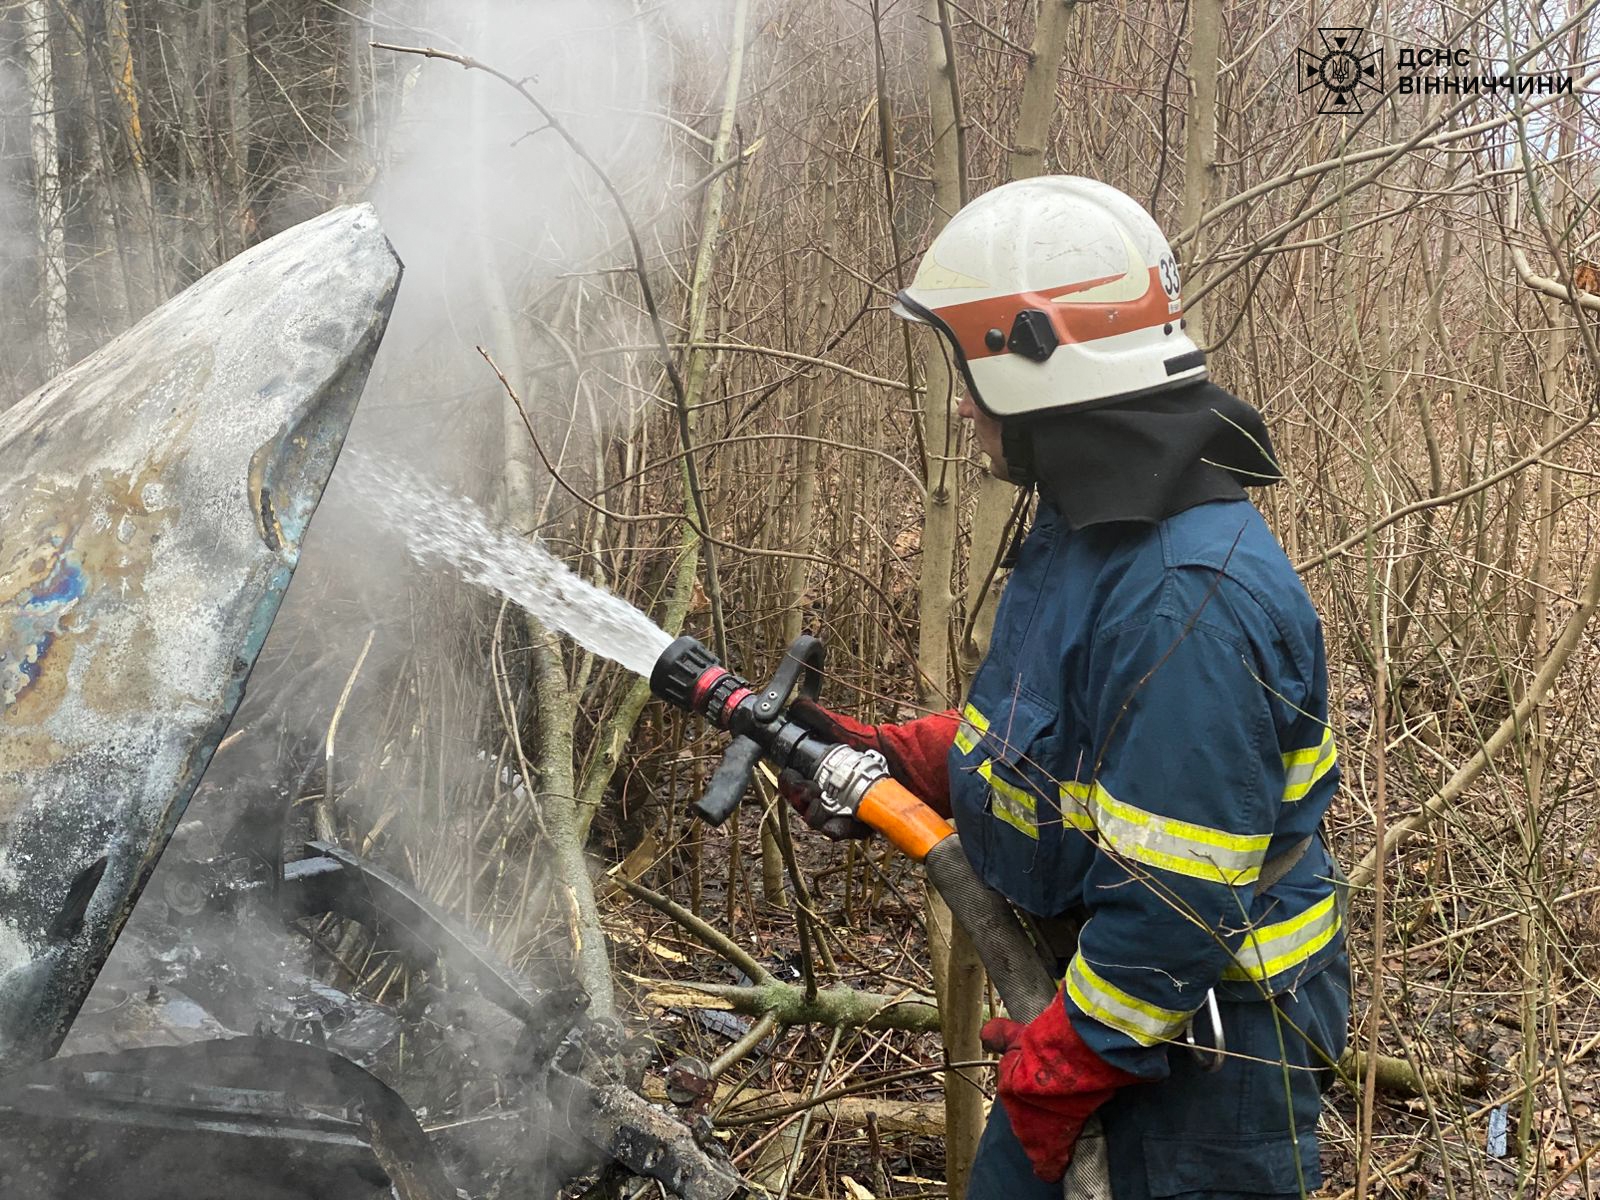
(1148, 730)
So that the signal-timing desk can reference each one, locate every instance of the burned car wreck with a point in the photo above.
(153, 500)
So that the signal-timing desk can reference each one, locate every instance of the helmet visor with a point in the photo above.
(909, 308)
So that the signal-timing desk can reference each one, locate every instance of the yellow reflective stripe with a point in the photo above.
(1144, 1022)
(1166, 843)
(973, 726)
(1302, 768)
(1010, 803)
(1273, 949)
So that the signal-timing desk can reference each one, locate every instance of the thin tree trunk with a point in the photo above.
(1530, 924)
(692, 546)
(47, 184)
(1200, 132)
(936, 602)
(810, 401)
(991, 518)
(108, 56)
(1038, 105)
(236, 73)
(200, 240)
(700, 290)
(959, 982)
(130, 124)
(957, 971)
(563, 821)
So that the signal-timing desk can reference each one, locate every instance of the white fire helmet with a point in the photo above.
(1056, 292)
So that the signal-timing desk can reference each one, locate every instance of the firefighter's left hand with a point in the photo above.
(1050, 1083)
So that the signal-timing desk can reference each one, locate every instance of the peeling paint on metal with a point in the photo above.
(152, 502)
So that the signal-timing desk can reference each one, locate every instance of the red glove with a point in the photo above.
(918, 752)
(1050, 1083)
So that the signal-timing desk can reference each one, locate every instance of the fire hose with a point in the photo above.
(857, 783)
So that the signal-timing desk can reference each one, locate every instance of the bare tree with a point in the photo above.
(46, 182)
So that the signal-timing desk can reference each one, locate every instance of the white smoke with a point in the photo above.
(492, 214)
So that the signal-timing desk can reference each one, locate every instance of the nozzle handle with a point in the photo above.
(729, 781)
(802, 664)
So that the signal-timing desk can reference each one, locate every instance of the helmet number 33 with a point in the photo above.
(1168, 267)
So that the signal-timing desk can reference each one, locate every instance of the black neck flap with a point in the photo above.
(1143, 459)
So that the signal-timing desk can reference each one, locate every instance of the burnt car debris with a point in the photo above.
(154, 498)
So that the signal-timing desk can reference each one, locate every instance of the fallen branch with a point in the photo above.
(1398, 1077)
(840, 1007)
(922, 1117)
(836, 1007)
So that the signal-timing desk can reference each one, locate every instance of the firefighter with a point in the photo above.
(1143, 761)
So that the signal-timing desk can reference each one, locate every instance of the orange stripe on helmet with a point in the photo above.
(1074, 323)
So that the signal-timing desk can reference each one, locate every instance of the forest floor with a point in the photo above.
(1454, 1014)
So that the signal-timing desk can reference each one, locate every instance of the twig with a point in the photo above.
(1570, 637)
(324, 811)
(707, 933)
(1462, 493)
(550, 467)
(737, 1052)
(898, 385)
(1551, 287)
(1480, 926)
(811, 1110)
(992, 32)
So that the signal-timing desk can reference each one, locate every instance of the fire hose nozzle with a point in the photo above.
(690, 677)
(678, 673)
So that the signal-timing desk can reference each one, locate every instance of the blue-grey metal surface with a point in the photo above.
(152, 503)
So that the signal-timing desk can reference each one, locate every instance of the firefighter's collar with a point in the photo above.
(1143, 459)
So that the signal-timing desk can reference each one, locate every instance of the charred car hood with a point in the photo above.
(152, 503)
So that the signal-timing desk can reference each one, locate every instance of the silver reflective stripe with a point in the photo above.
(1302, 768)
(1166, 843)
(1270, 950)
(1103, 1000)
